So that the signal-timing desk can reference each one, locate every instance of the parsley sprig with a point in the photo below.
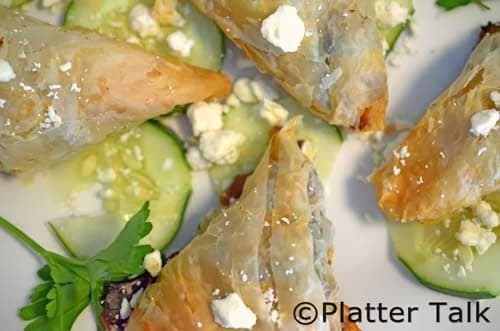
(69, 285)
(452, 4)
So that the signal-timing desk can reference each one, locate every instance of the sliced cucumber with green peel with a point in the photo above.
(435, 258)
(144, 164)
(111, 18)
(85, 236)
(324, 138)
(391, 35)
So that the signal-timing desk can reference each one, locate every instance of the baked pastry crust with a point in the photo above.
(340, 34)
(110, 86)
(448, 168)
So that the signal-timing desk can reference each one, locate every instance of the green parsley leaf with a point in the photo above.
(70, 284)
(452, 4)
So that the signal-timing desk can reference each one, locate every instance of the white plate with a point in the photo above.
(365, 265)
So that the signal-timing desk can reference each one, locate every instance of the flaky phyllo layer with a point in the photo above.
(67, 89)
(442, 167)
(338, 71)
(273, 247)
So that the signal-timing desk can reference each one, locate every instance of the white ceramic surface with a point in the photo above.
(365, 265)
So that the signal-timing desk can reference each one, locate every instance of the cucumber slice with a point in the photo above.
(324, 139)
(391, 35)
(144, 164)
(433, 255)
(85, 236)
(111, 18)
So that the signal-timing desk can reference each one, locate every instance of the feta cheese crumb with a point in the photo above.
(196, 160)
(483, 122)
(284, 29)
(65, 67)
(221, 147)
(205, 117)
(243, 90)
(152, 263)
(75, 89)
(390, 14)
(3, 102)
(180, 43)
(486, 214)
(233, 101)
(142, 22)
(274, 113)
(396, 171)
(6, 72)
(495, 97)
(472, 234)
(232, 313)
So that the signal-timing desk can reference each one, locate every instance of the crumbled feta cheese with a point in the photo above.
(75, 89)
(205, 117)
(390, 14)
(55, 87)
(125, 309)
(22, 55)
(106, 175)
(495, 97)
(481, 151)
(65, 67)
(262, 90)
(243, 90)
(3, 102)
(180, 43)
(142, 22)
(472, 234)
(486, 214)
(6, 72)
(469, 233)
(486, 240)
(221, 147)
(196, 160)
(232, 313)
(152, 263)
(274, 113)
(284, 29)
(396, 171)
(483, 122)
(233, 101)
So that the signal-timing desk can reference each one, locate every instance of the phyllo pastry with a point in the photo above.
(254, 261)
(451, 159)
(61, 90)
(326, 54)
